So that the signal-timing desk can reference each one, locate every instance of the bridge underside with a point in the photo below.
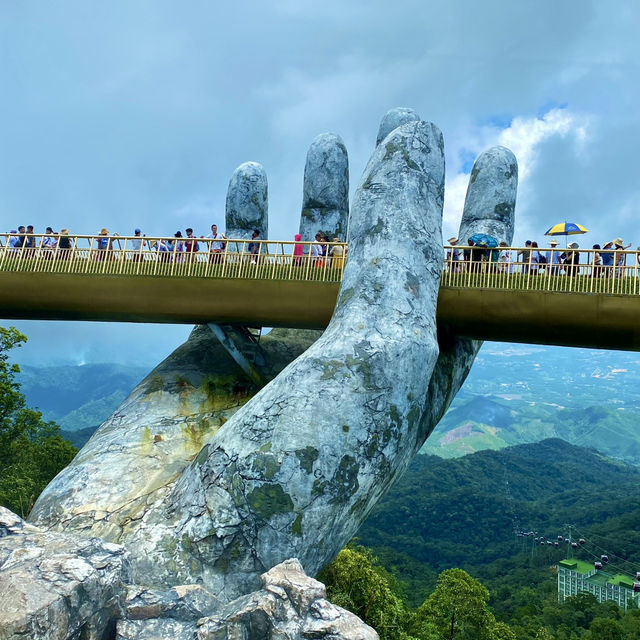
(542, 317)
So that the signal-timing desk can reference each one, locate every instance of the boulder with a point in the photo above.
(289, 606)
(325, 200)
(56, 585)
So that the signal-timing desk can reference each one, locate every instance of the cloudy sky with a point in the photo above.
(135, 113)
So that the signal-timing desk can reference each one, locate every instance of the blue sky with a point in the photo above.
(135, 113)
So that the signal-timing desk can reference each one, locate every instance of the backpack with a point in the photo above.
(542, 259)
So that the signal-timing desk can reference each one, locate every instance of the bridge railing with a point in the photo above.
(563, 270)
(170, 256)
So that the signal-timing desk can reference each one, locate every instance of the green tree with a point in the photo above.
(356, 582)
(31, 449)
(458, 610)
(606, 629)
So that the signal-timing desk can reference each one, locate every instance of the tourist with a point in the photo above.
(103, 243)
(316, 251)
(137, 245)
(337, 255)
(64, 244)
(30, 242)
(553, 258)
(607, 260)
(620, 256)
(48, 244)
(524, 257)
(14, 241)
(254, 246)
(572, 259)
(216, 248)
(178, 246)
(453, 256)
(505, 258)
(596, 261)
(21, 237)
(191, 245)
(298, 250)
(535, 259)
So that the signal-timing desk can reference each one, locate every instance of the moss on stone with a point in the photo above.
(266, 464)
(296, 526)
(268, 500)
(345, 480)
(156, 384)
(307, 457)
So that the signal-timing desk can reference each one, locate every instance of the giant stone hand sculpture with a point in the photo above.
(296, 470)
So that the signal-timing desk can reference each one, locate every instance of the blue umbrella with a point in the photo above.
(483, 240)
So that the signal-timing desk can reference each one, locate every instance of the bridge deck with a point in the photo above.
(589, 307)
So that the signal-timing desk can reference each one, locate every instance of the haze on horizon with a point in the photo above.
(128, 114)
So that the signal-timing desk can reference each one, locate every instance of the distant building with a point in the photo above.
(576, 576)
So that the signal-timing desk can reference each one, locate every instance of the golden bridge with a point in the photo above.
(498, 294)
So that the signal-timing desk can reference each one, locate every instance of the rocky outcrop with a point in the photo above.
(55, 585)
(325, 200)
(393, 119)
(290, 606)
(247, 202)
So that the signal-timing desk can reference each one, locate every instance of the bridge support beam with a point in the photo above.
(243, 347)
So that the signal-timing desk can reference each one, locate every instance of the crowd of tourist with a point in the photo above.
(324, 250)
(606, 261)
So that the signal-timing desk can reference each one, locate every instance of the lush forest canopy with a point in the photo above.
(32, 451)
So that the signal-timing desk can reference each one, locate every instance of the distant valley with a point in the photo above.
(524, 393)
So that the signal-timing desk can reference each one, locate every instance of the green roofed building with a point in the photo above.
(576, 576)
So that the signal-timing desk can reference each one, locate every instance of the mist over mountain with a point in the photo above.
(78, 397)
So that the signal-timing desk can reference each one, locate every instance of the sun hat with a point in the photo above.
(574, 245)
(618, 242)
(64, 231)
(553, 242)
(453, 240)
(104, 232)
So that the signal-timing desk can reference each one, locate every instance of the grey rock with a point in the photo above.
(291, 606)
(55, 585)
(183, 602)
(489, 205)
(137, 454)
(247, 202)
(393, 119)
(325, 201)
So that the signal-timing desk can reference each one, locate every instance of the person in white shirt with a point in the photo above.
(49, 243)
(216, 248)
(137, 245)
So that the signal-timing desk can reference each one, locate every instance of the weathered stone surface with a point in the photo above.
(247, 202)
(135, 456)
(393, 119)
(290, 606)
(299, 467)
(55, 585)
(490, 203)
(325, 200)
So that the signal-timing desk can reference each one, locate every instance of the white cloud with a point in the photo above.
(525, 137)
